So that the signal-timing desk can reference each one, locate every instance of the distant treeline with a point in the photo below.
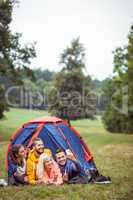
(70, 93)
(39, 85)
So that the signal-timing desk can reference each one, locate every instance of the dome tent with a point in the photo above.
(55, 133)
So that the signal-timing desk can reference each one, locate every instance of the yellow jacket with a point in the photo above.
(32, 162)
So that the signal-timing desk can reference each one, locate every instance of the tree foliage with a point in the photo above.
(45, 75)
(71, 97)
(119, 113)
(13, 55)
(73, 57)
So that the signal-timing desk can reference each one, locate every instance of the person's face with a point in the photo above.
(22, 152)
(39, 147)
(61, 158)
(48, 164)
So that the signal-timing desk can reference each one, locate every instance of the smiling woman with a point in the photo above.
(17, 170)
(48, 171)
(113, 154)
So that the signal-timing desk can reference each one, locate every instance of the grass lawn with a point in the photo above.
(113, 154)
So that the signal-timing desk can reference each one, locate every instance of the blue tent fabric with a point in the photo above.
(75, 143)
(64, 140)
(25, 134)
(55, 136)
(48, 141)
(52, 139)
(73, 140)
(23, 137)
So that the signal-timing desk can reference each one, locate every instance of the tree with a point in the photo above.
(5, 19)
(71, 97)
(44, 75)
(3, 105)
(13, 56)
(119, 113)
(102, 100)
(73, 57)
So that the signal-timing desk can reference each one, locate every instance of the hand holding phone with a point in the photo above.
(70, 155)
(68, 152)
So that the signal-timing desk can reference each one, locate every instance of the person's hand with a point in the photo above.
(72, 157)
(15, 174)
(26, 179)
(57, 184)
(65, 177)
(55, 177)
(39, 181)
(49, 182)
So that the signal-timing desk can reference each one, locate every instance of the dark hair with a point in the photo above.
(15, 150)
(59, 151)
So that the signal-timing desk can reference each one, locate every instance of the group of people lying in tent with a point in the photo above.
(36, 166)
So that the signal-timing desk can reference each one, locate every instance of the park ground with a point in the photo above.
(113, 155)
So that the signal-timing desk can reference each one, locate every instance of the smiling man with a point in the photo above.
(32, 161)
(70, 167)
(73, 173)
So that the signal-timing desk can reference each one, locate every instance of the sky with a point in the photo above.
(102, 25)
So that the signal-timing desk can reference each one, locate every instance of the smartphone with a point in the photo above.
(68, 152)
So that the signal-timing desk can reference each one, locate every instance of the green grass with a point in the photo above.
(96, 135)
(14, 119)
(113, 154)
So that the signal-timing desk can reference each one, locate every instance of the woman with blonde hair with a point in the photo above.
(48, 171)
